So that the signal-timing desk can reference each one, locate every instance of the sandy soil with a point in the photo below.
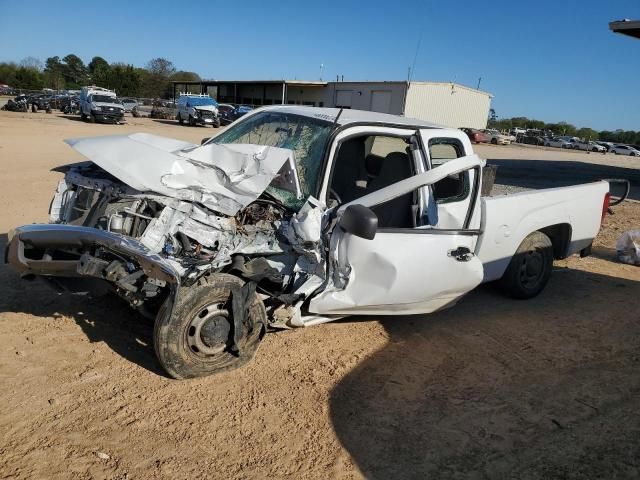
(493, 388)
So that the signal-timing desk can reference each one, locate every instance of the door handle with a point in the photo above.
(461, 254)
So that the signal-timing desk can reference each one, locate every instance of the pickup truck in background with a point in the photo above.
(291, 217)
(97, 104)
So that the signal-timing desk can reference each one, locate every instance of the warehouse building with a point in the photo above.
(447, 104)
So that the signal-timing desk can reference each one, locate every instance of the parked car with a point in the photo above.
(556, 142)
(19, 104)
(227, 113)
(230, 113)
(607, 145)
(41, 102)
(197, 110)
(587, 146)
(129, 104)
(497, 138)
(476, 136)
(71, 105)
(625, 150)
(313, 208)
(100, 104)
(532, 140)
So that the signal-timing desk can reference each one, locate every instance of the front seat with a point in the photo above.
(349, 170)
(396, 213)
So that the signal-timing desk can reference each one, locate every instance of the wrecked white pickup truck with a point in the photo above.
(292, 217)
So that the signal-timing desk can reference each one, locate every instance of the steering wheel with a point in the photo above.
(334, 194)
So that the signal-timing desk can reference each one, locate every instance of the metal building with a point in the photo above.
(447, 104)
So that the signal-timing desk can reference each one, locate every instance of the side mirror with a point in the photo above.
(360, 221)
(204, 140)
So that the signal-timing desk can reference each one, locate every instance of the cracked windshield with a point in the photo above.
(306, 136)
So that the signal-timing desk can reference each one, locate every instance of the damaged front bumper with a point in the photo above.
(45, 250)
(107, 117)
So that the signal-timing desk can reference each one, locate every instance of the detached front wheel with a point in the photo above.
(214, 326)
(530, 268)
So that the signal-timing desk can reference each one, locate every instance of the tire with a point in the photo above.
(216, 123)
(547, 145)
(83, 117)
(494, 141)
(192, 122)
(175, 330)
(180, 120)
(92, 118)
(530, 268)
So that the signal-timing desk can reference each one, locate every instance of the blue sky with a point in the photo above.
(551, 60)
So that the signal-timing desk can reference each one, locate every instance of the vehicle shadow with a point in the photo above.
(103, 318)
(75, 118)
(502, 388)
(538, 174)
(165, 122)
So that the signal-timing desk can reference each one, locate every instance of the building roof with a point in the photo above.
(350, 116)
(314, 83)
(626, 27)
(307, 83)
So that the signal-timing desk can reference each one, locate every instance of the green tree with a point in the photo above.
(156, 82)
(53, 70)
(565, 128)
(124, 79)
(8, 73)
(182, 76)
(28, 79)
(587, 134)
(74, 71)
(99, 71)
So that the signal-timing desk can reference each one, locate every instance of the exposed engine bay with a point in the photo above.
(264, 242)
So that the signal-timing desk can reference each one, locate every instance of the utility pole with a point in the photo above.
(321, 68)
(479, 80)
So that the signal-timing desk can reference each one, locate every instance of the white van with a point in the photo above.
(197, 110)
(100, 104)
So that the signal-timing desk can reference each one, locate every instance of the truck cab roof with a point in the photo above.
(349, 116)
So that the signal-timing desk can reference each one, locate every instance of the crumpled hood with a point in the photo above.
(106, 104)
(224, 178)
(206, 108)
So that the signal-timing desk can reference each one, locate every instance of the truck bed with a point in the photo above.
(571, 216)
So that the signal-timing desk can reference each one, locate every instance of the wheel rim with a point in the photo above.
(532, 269)
(208, 332)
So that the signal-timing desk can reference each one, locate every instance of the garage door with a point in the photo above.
(343, 98)
(381, 101)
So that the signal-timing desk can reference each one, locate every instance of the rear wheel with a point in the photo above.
(192, 121)
(198, 337)
(530, 268)
(494, 141)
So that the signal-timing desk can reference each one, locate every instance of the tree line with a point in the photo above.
(70, 73)
(564, 128)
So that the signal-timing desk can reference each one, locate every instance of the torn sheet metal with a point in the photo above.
(224, 178)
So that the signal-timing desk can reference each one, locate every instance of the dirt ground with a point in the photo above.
(492, 388)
